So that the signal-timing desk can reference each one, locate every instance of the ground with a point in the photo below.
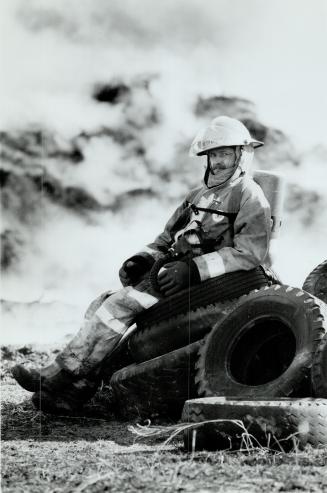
(94, 453)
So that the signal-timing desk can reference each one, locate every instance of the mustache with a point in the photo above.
(214, 169)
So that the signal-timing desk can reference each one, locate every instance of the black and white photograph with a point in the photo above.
(163, 260)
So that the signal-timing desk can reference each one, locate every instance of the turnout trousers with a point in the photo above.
(99, 336)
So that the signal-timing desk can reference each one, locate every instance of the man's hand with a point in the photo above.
(126, 272)
(133, 268)
(174, 277)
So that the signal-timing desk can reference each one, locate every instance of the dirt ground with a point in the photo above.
(94, 453)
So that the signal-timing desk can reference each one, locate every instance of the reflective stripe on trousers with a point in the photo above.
(100, 335)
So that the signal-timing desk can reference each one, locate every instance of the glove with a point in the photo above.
(133, 268)
(176, 276)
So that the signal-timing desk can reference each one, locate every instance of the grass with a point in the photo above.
(96, 453)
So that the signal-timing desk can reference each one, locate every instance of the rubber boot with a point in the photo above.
(68, 401)
(55, 389)
(76, 367)
(72, 379)
(33, 379)
(74, 376)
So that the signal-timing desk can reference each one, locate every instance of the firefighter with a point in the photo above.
(222, 226)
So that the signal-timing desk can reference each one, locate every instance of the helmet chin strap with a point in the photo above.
(208, 171)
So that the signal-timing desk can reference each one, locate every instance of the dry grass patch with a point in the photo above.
(95, 453)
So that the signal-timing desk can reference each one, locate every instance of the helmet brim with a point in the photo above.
(255, 144)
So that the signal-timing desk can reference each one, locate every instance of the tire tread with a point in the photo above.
(316, 315)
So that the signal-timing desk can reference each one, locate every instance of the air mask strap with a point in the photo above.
(239, 152)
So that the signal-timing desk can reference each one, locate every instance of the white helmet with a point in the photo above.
(222, 131)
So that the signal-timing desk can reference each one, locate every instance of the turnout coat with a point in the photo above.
(228, 228)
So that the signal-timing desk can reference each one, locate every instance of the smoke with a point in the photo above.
(70, 258)
(52, 55)
(269, 52)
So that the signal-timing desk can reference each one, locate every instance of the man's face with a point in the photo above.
(222, 158)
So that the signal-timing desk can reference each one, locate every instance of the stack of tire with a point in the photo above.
(243, 354)
(165, 348)
(257, 406)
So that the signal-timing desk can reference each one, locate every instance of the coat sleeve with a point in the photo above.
(158, 248)
(250, 247)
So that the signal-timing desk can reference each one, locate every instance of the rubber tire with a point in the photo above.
(222, 288)
(316, 282)
(319, 370)
(155, 271)
(158, 387)
(274, 424)
(176, 332)
(115, 362)
(306, 318)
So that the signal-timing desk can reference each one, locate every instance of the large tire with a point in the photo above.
(280, 424)
(116, 361)
(158, 387)
(319, 370)
(264, 348)
(316, 282)
(222, 288)
(176, 332)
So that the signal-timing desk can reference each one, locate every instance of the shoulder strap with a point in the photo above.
(231, 215)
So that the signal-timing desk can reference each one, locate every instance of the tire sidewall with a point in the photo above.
(315, 277)
(319, 370)
(278, 420)
(223, 339)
